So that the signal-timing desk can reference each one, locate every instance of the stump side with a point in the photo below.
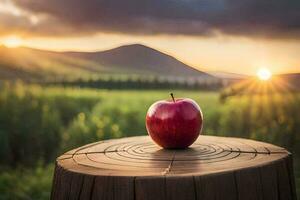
(213, 168)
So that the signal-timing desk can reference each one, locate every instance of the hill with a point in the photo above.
(130, 60)
(140, 59)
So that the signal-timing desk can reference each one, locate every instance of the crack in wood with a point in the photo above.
(168, 169)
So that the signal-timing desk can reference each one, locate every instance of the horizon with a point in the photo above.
(147, 46)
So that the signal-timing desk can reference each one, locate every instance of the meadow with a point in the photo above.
(39, 123)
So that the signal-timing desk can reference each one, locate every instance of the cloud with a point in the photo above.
(263, 18)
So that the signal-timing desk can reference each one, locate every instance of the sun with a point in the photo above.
(264, 74)
(12, 41)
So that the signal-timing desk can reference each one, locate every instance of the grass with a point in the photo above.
(39, 123)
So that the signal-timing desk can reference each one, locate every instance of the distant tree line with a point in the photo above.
(140, 83)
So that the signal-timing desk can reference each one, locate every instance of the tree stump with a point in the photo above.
(213, 168)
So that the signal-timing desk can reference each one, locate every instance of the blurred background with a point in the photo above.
(74, 72)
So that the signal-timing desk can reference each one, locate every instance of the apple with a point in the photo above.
(174, 124)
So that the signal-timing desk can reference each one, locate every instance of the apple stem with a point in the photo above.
(172, 97)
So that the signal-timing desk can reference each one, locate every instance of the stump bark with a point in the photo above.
(213, 168)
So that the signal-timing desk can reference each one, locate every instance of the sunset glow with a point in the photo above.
(12, 42)
(205, 40)
(264, 74)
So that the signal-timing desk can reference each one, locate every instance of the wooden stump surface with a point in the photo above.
(212, 168)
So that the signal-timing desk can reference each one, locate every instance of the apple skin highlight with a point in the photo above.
(174, 124)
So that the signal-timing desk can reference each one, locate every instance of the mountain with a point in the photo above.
(128, 60)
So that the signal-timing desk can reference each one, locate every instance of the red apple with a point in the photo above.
(175, 123)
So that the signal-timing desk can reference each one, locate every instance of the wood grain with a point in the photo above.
(212, 168)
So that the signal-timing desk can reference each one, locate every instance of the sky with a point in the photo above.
(210, 35)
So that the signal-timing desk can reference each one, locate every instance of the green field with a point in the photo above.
(37, 124)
